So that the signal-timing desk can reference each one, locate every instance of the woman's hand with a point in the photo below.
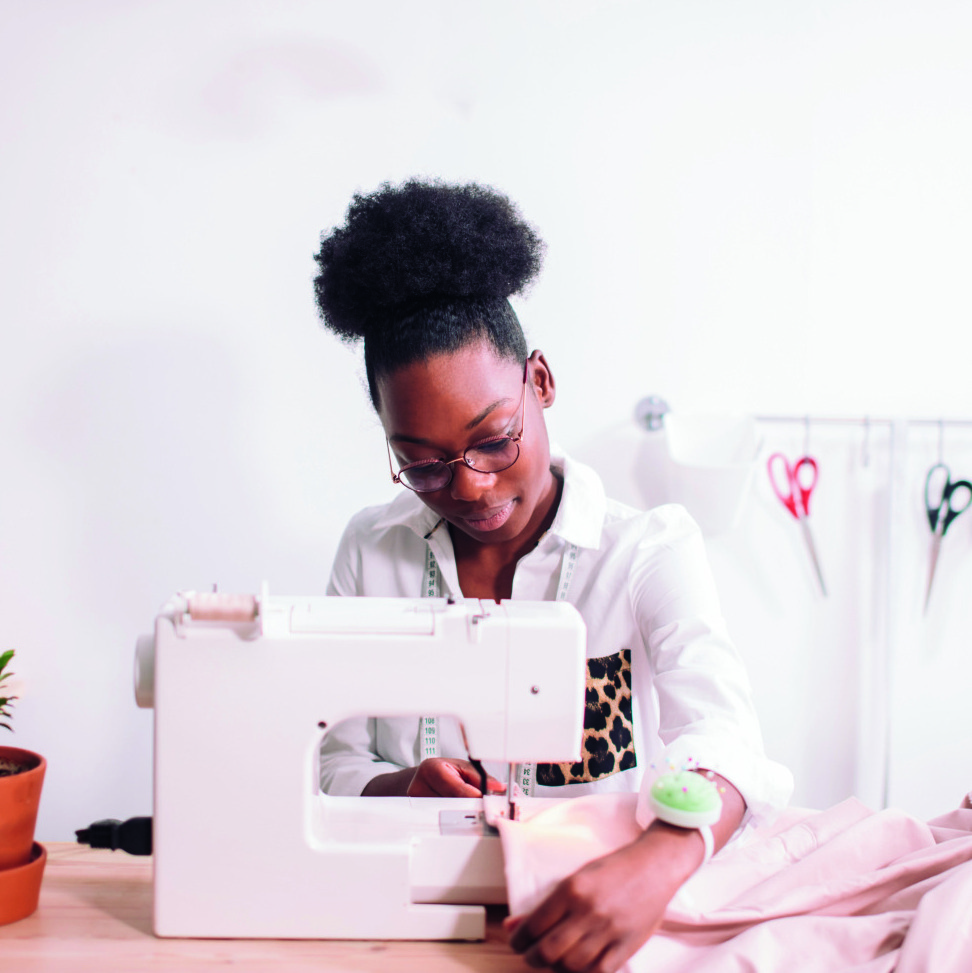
(596, 919)
(600, 916)
(435, 777)
(449, 777)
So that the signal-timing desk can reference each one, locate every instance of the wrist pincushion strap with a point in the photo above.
(687, 799)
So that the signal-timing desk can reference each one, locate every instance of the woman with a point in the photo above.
(422, 272)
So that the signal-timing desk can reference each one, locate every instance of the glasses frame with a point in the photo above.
(516, 440)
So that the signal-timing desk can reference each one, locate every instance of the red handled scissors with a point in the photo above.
(799, 479)
(945, 499)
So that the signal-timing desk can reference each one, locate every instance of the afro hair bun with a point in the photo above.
(421, 244)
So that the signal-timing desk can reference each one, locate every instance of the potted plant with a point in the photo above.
(21, 779)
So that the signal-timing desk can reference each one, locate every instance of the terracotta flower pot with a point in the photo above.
(20, 887)
(19, 799)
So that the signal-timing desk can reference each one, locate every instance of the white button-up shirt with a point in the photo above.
(641, 583)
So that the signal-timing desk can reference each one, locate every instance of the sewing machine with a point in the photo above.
(244, 688)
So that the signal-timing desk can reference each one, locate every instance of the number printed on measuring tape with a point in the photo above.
(431, 575)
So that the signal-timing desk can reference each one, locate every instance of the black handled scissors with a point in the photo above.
(945, 499)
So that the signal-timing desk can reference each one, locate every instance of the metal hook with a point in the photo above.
(941, 441)
(806, 435)
(650, 412)
(866, 446)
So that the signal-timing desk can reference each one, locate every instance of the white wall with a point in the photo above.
(756, 206)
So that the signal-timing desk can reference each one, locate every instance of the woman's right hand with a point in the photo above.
(449, 777)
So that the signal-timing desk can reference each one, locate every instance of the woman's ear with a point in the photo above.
(543, 380)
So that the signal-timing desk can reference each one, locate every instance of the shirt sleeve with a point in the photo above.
(346, 570)
(349, 756)
(706, 713)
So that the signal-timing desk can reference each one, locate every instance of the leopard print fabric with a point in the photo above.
(608, 732)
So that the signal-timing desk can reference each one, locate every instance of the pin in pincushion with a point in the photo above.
(685, 799)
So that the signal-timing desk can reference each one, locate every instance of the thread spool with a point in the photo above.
(219, 607)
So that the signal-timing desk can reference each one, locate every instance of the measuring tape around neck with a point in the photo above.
(525, 774)
(428, 744)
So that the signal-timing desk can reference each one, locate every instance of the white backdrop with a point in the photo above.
(756, 206)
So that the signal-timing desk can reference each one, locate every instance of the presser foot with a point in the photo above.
(466, 824)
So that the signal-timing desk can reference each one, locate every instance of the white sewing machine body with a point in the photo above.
(245, 843)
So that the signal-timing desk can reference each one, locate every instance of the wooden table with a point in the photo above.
(95, 915)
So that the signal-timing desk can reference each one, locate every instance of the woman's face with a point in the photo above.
(436, 409)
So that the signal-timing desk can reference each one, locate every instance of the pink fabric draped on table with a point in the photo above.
(845, 889)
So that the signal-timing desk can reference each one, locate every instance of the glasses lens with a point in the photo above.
(493, 455)
(427, 477)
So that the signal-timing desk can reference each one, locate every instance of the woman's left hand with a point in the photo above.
(600, 916)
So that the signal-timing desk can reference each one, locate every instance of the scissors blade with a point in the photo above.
(936, 547)
(812, 548)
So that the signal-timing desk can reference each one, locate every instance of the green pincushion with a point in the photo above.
(685, 799)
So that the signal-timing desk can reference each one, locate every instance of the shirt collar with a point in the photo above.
(579, 518)
(583, 505)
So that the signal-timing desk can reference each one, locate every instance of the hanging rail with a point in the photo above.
(651, 411)
(865, 420)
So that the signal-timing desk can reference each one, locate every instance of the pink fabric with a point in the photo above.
(843, 889)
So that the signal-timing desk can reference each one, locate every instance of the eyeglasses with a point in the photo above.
(491, 455)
